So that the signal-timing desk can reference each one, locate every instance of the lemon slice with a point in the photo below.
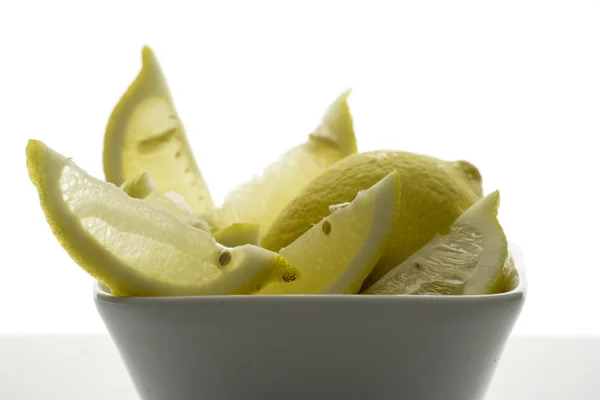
(144, 134)
(143, 187)
(337, 126)
(338, 253)
(238, 235)
(261, 200)
(470, 259)
(134, 248)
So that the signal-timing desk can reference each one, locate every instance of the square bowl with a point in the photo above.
(313, 346)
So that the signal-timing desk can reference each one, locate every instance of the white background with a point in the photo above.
(512, 86)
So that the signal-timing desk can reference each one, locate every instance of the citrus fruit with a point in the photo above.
(434, 194)
(470, 259)
(136, 249)
(143, 187)
(260, 200)
(238, 234)
(338, 253)
(144, 134)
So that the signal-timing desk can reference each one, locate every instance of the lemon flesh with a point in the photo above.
(469, 260)
(143, 187)
(144, 134)
(261, 200)
(134, 248)
(238, 234)
(434, 194)
(337, 254)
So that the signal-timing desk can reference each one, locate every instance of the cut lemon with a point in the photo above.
(144, 134)
(261, 200)
(143, 187)
(470, 259)
(238, 234)
(434, 194)
(338, 253)
(136, 249)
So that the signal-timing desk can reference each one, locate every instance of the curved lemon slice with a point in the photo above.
(144, 134)
(338, 253)
(143, 187)
(261, 200)
(337, 126)
(470, 259)
(238, 234)
(136, 249)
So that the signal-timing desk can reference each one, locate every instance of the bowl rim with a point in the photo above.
(518, 292)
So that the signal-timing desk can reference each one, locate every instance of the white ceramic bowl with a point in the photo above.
(312, 347)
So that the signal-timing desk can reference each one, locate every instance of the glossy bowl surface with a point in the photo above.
(314, 346)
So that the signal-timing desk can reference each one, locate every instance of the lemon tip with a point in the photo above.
(345, 94)
(33, 146)
(470, 170)
(285, 271)
(495, 198)
(394, 177)
(33, 154)
(147, 54)
(140, 186)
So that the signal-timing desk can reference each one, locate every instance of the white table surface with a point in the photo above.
(89, 367)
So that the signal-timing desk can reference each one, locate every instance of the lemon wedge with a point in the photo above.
(136, 249)
(261, 200)
(337, 254)
(238, 234)
(144, 134)
(471, 259)
(143, 187)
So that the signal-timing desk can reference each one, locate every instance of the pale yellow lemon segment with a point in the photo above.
(136, 249)
(144, 134)
(472, 258)
(261, 200)
(238, 234)
(337, 126)
(338, 253)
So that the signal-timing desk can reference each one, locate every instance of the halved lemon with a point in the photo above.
(136, 249)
